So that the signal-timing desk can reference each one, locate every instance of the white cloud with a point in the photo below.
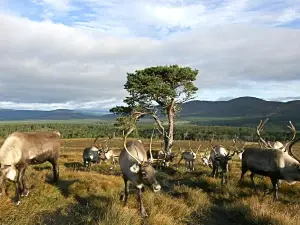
(53, 65)
(141, 17)
(105, 104)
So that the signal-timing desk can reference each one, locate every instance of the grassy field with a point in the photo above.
(83, 197)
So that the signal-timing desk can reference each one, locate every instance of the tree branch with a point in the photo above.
(162, 129)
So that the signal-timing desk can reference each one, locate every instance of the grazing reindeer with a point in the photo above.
(220, 157)
(273, 163)
(205, 157)
(94, 154)
(21, 149)
(109, 154)
(276, 145)
(163, 159)
(137, 169)
(189, 157)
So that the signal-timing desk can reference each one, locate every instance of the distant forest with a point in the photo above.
(182, 131)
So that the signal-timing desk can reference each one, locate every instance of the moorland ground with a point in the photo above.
(92, 197)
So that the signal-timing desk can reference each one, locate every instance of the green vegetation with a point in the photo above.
(162, 88)
(144, 130)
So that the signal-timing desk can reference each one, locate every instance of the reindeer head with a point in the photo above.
(7, 172)
(144, 169)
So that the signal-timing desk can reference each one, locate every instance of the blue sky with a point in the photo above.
(75, 53)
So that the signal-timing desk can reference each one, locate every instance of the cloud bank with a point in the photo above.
(75, 54)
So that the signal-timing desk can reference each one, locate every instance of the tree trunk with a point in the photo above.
(171, 115)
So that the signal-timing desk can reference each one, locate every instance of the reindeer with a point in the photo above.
(189, 157)
(107, 153)
(137, 169)
(110, 155)
(21, 149)
(273, 163)
(276, 145)
(219, 156)
(163, 159)
(205, 157)
(93, 154)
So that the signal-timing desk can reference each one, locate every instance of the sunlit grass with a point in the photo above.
(92, 197)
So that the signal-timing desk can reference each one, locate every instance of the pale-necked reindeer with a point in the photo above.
(137, 169)
(276, 145)
(110, 154)
(189, 157)
(205, 157)
(220, 157)
(21, 149)
(273, 163)
(161, 158)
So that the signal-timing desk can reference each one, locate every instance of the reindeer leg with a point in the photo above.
(55, 168)
(217, 170)
(213, 170)
(252, 181)
(244, 170)
(89, 166)
(142, 209)
(275, 188)
(222, 178)
(126, 191)
(18, 188)
(23, 189)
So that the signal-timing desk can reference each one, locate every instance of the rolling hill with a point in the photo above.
(243, 111)
(59, 114)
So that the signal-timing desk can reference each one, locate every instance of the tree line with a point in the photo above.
(181, 132)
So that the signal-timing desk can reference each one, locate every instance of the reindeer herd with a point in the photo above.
(276, 161)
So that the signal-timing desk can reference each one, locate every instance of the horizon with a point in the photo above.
(75, 53)
(106, 110)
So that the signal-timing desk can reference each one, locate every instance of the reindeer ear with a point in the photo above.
(135, 168)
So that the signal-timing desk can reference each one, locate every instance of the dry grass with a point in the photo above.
(92, 197)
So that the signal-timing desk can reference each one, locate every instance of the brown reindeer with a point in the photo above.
(21, 149)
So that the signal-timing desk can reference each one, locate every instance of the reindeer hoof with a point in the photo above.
(17, 202)
(144, 214)
(122, 197)
(25, 193)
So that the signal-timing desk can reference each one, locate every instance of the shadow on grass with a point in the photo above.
(219, 214)
(64, 185)
(86, 210)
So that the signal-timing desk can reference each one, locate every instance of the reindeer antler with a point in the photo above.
(135, 116)
(259, 128)
(293, 129)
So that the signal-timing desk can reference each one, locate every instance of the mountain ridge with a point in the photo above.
(237, 111)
